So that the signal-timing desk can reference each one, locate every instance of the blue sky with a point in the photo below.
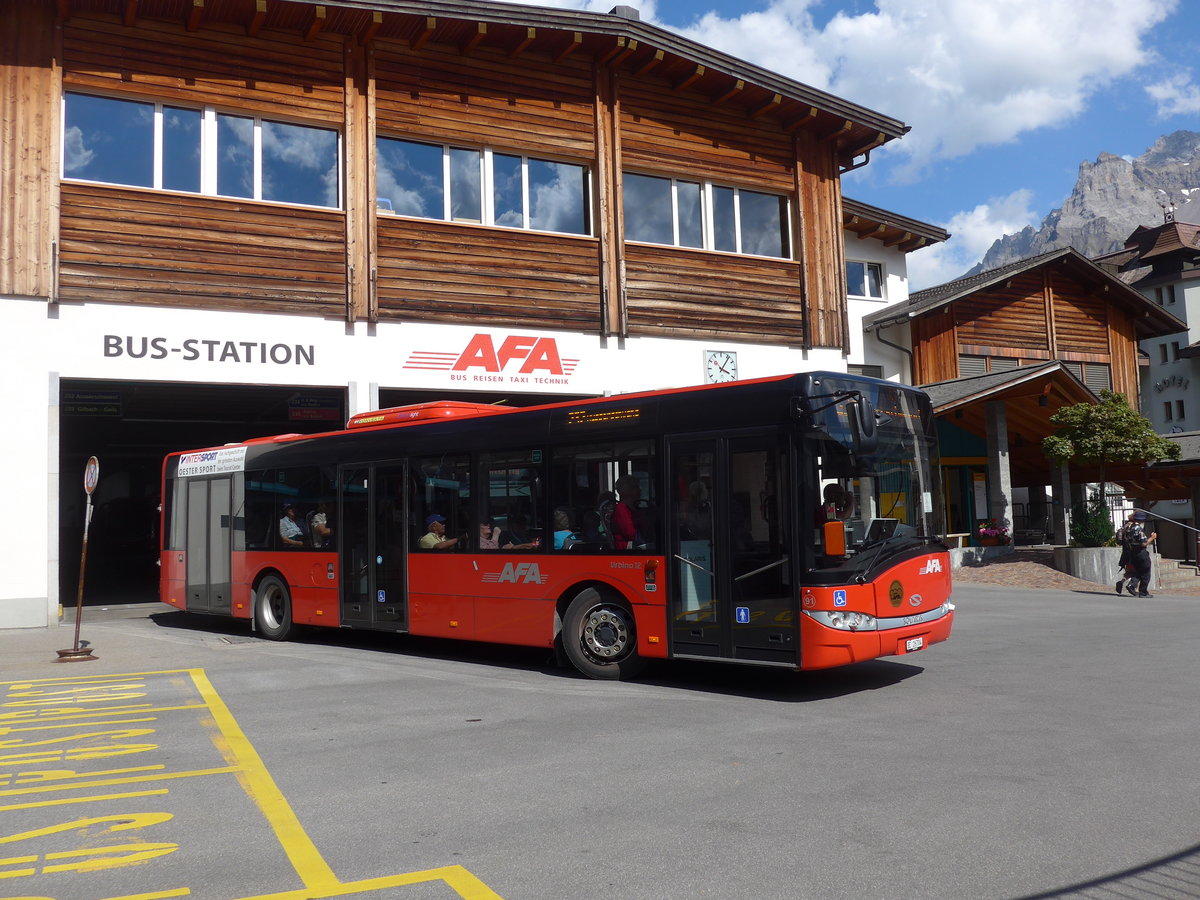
(1005, 97)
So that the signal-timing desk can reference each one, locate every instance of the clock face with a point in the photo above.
(720, 365)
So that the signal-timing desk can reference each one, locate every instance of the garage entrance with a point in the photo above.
(131, 426)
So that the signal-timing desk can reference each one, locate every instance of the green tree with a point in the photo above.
(1103, 433)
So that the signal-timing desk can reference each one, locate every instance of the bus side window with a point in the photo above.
(442, 487)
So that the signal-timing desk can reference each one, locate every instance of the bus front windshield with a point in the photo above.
(883, 488)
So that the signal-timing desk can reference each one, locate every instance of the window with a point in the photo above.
(1167, 410)
(442, 487)
(1165, 294)
(868, 371)
(586, 483)
(1179, 410)
(281, 504)
(1174, 351)
(1097, 376)
(456, 184)
(681, 213)
(515, 498)
(171, 148)
(1162, 353)
(864, 279)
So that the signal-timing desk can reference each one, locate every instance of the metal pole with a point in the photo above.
(91, 477)
(87, 521)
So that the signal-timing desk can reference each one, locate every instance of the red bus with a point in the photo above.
(791, 521)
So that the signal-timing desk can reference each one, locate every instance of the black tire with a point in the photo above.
(600, 638)
(273, 609)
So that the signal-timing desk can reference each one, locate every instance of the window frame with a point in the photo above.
(207, 147)
(867, 265)
(708, 237)
(487, 186)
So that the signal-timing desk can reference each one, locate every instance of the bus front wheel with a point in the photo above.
(600, 638)
(273, 609)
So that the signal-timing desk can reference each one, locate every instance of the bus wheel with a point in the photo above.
(273, 609)
(599, 637)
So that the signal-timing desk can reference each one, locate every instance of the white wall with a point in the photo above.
(40, 344)
(867, 348)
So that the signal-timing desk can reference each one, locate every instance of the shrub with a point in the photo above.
(1091, 525)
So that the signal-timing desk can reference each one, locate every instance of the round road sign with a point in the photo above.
(91, 475)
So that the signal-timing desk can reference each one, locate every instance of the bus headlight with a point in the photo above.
(843, 619)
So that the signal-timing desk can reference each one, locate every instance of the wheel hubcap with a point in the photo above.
(606, 633)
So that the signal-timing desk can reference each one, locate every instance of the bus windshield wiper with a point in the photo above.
(860, 569)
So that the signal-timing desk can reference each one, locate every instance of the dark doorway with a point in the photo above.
(130, 426)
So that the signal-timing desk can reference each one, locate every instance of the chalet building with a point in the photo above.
(1000, 352)
(1163, 263)
(245, 217)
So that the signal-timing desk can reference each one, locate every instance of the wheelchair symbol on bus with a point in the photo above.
(839, 598)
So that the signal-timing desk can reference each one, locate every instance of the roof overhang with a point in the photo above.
(889, 228)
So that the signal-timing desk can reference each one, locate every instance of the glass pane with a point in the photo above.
(299, 164)
(764, 224)
(465, 189)
(409, 178)
(235, 156)
(506, 190)
(181, 149)
(647, 209)
(691, 230)
(724, 224)
(874, 280)
(558, 197)
(856, 279)
(109, 140)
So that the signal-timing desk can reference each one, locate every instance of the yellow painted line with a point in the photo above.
(77, 724)
(456, 878)
(92, 679)
(157, 895)
(70, 800)
(107, 782)
(29, 716)
(260, 786)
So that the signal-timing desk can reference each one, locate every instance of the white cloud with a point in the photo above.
(1175, 96)
(972, 233)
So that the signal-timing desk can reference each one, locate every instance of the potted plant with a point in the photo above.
(991, 533)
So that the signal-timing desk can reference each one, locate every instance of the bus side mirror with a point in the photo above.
(833, 536)
(862, 425)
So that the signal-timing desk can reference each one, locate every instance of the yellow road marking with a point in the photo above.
(93, 799)
(106, 782)
(258, 783)
(457, 878)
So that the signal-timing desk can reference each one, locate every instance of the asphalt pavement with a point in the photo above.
(1048, 749)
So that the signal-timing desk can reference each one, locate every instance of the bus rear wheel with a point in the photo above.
(273, 609)
(600, 638)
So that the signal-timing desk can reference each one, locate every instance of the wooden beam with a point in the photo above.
(836, 132)
(194, 17)
(260, 16)
(419, 41)
(732, 92)
(317, 23)
(806, 119)
(688, 80)
(368, 34)
(616, 48)
(571, 46)
(530, 35)
(476, 39)
(650, 63)
(906, 236)
(629, 50)
(131, 9)
(771, 104)
(64, 11)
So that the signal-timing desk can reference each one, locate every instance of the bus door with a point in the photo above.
(373, 545)
(209, 520)
(732, 594)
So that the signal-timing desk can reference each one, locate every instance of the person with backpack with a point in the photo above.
(1138, 539)
(1124, 568)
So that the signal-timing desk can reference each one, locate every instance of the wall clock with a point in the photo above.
(720, 366)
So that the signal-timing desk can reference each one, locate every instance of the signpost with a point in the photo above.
(91, 477)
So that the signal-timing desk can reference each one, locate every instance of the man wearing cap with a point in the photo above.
(289, 529)
(435, 538)
(1138, 539)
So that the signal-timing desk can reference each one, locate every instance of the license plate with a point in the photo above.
(914, 644)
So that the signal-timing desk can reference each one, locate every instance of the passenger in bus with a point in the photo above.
(697, 513)
(516, 537)
(289, 529)
(489, 535)
(318, 526)
(435, 537)
(625, 530)
(564, 537)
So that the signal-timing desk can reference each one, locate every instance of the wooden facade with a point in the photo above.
(603, 92)
(1062, 307)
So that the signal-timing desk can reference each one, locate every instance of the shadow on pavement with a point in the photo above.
(763, 683)
(1177, 875)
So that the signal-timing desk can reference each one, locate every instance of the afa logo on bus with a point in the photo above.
(519, 573)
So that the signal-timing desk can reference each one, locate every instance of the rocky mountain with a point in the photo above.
(1112, 196)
